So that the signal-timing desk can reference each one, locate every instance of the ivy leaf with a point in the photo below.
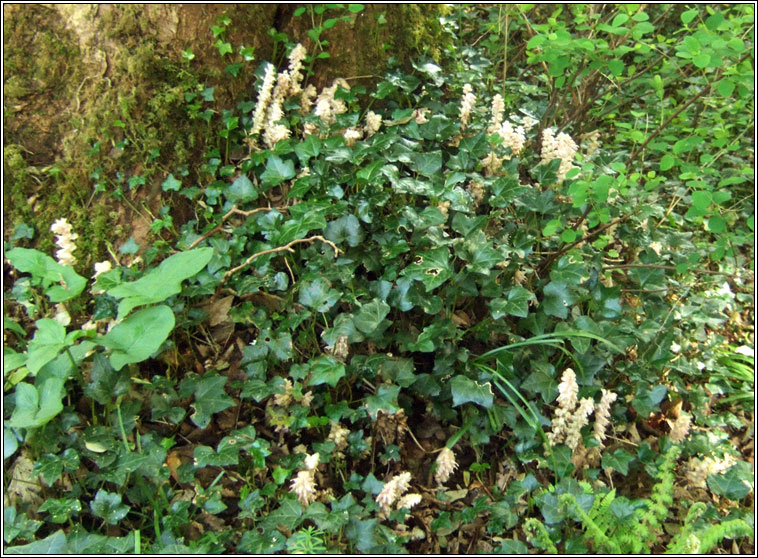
(432, 268)
(619, 461)
(567, 271)
(428, 164)
(557, 299)
(289, 515)
(385, 400)
(241, 191)
(370, 315)
(206, 456)
(465, 390)
(398, 370)
(108, 506)
(735, 483)
(52, 544)
(324, 519)
(309, 147)
(516, 304)
(318, 295)
(139, 335)
(294, 229)
(253, 542)
(543, 381)
(362, 534)
(345, 229)
(646, 400)
(326, 370)
(171, 183)
(210, 398)
(105, 382)
(277, 171)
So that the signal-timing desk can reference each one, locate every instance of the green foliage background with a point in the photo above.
(460, 294)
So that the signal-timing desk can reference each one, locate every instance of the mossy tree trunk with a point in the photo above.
(96, 94)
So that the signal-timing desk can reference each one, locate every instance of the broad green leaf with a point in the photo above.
(701, 60)
(139, 335)
(619, 20)
(326, 370)
(370, 173)
(616, 67)
(667, 162)
(35, 408)
(71, 285)
(162, 282)
(511, 546)
(557, 300)
(329, 521)
(568, 236)
(49, 467)
(717, 224)
(277, 171)
(48, 341)
(515, 304)
(61, 510)
(66, 284)
(241, 191)
(108, 506)
(294, 229)
(370, 315)
(465, 390)
(647, 399)
(689, 15)
(10, 444)
(131, 461)
(80, 543)
(480, 254)
(268, 542)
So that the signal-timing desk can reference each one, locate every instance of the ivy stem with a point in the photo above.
(121, 423)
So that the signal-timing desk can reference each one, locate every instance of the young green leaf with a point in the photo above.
(162, 282)
(35, 408)
(138, 336)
